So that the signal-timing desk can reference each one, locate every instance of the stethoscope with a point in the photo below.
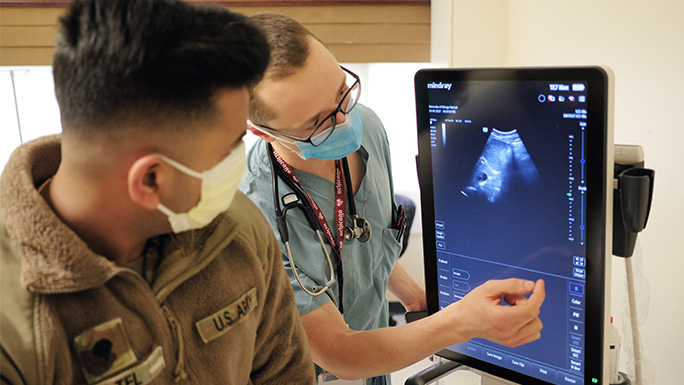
(299, 199)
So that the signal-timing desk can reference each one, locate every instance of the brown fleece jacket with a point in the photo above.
(220, 311)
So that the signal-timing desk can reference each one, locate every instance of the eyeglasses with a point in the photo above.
(325, 128)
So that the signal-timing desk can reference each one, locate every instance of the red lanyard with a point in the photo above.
(340, 205)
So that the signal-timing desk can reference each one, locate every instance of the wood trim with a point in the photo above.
(30, 17)
(309, 16)
(14, 36)
(228, 3)
(359, 14)
(381, 53)
(355, 33)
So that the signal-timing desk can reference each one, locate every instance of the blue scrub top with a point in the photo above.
(366, 266)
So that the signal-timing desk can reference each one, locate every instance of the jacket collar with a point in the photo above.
(53, 257)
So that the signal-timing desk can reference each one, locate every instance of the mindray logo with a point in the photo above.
(439, 86)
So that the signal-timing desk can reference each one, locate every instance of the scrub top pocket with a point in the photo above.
(390, 246)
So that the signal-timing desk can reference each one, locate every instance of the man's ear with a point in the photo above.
(260, 134)
(144, 179)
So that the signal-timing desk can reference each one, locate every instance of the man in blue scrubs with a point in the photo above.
(305, 107)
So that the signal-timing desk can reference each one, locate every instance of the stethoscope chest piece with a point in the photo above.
(360, 230)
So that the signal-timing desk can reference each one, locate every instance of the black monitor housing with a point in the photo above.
(516, 174)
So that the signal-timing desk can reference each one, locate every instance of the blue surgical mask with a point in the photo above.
(343, 141)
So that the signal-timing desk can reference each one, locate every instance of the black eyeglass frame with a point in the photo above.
(332, 116)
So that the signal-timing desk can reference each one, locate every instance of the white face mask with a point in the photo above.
(219, 185)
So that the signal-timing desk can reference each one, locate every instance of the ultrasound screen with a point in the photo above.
(509, 169)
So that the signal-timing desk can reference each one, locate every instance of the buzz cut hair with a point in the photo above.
(152, 63)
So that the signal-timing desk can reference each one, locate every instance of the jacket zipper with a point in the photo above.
(179, 372)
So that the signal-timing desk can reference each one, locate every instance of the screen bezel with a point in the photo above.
(599, 203)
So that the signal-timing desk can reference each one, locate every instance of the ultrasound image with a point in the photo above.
(503, 161)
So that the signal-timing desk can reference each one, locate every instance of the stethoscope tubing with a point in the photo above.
(303, 204)
(317, 290)
(361, 229)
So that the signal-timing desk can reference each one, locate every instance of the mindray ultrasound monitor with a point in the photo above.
(515, 166)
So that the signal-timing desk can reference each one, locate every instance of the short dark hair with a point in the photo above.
(163, 61)
(288, 40)
(290, 49)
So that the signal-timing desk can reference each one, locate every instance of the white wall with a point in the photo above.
(34, 111)
(643, 43)
(9, 127)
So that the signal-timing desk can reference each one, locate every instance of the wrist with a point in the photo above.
(452, 320)
(416, 301)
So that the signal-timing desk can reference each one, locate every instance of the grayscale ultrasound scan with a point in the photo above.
(503, 160)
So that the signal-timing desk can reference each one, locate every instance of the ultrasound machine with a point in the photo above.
(520, 177)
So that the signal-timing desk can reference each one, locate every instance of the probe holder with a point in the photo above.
(632, 198)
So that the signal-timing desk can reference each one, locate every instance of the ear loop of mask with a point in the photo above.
(182, 221)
